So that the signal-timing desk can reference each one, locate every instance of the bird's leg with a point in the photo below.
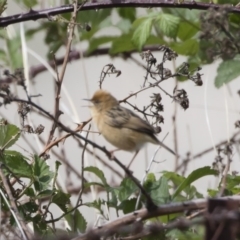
(112, 153)
(134, 156)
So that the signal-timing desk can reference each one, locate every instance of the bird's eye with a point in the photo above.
(96, 101)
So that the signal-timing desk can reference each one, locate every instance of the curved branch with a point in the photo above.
(47, 13)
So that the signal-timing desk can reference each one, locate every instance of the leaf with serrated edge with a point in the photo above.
(9, 134)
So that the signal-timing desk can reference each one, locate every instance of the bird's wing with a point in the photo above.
(121, 117)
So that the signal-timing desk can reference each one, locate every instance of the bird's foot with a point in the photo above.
(112, 153)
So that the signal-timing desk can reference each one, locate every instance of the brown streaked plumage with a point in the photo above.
(120, 126)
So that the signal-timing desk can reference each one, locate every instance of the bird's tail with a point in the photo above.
(167, 148)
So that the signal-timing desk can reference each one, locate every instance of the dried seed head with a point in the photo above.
(27, 128)
(39, 129)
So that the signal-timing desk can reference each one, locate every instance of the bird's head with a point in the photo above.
(103, 100)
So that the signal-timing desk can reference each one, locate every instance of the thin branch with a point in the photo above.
(82, 172)
(143, 214)
(48, 13)
(59, 80)
(57, 141)
(198, 155)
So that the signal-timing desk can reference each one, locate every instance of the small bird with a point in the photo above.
(120, 126)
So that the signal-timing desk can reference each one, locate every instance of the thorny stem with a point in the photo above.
(61, 75)
(48, 13)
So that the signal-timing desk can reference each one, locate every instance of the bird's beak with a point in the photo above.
(86, 99)
(89, 100)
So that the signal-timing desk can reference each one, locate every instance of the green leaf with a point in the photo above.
(39, 226)
(187, 30)
(189, 47)
(122, 44)
(14, 52)
(28, 3)
(190, 191)
(79, 221)
(76, 221)
(95, 204)
(61, 199)
(3, 6)
(93, 17)
(153, 40)
(32, 31)
(127, 188)
(98, 173)
(195, 175)
(28, 207)
(55, 36)
(142, 31)
(42, 174)
(183, 14)
(174, 177)
(3, 34)
(212, 192)
(234, 2)
(17, 163)
(44, 194)
(9, 134)
(124, 25)
(169, 217)
(159, 191)
(88, 35)
(128, 205)
(232, 181)
(94, 43)
(29, 192)
(113, 201)
(127, 13)
(3, 57)
(167, 24)
(150, 179)
(96, 19)
(227, 71)
(234, 18)
(88, 184)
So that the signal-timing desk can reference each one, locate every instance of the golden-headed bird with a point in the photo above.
(120, 126)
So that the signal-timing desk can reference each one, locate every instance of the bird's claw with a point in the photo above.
(112, 155)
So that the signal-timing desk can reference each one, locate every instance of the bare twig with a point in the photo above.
(79, 200)
(198, 155)
(59, 80)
